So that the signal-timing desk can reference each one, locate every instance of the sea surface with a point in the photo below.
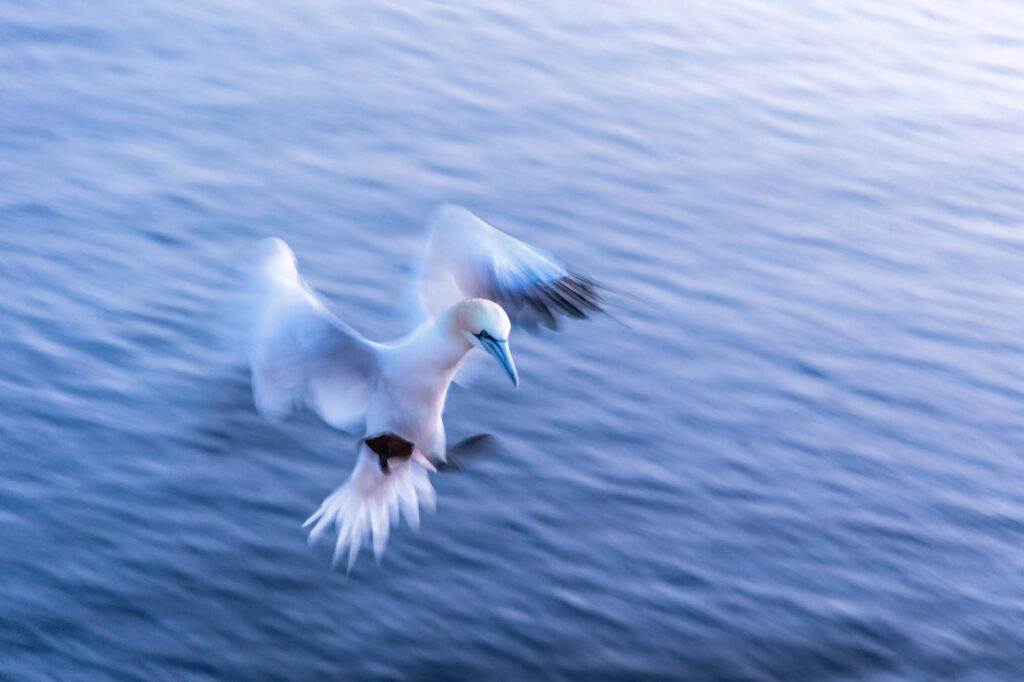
(793, 451)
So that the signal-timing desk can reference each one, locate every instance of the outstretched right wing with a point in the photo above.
(466, 257)
(302, 353)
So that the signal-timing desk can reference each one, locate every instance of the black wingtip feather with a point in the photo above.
(571, 296)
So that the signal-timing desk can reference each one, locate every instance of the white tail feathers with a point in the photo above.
(364, 508)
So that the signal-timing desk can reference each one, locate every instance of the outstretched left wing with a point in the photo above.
(468, 258)
(299, 351)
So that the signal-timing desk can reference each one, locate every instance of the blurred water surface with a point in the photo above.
(801, 457)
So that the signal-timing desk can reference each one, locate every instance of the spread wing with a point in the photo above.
(299, 351)
(468, 258)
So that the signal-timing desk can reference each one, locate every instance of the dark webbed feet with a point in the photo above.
(473, 448)
(389, 446)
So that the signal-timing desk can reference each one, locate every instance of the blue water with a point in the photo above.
(795, 452)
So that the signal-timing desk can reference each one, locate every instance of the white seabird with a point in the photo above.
(470, 279)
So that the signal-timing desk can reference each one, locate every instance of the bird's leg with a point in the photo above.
(450, 464)
(470, 447)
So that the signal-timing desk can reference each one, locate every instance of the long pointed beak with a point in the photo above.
(499, 349)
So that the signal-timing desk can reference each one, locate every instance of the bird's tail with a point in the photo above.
(366, 506)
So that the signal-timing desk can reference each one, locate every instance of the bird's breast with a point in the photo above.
(407, 408)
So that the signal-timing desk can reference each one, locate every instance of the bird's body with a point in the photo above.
(301, 353)
(415, 374)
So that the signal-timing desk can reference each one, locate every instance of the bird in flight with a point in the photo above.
(470, 283)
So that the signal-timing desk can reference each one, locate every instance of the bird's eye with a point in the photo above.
(484, 335)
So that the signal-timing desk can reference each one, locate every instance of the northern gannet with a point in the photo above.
(470, 280)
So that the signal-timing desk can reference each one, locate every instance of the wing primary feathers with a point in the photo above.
(466, 257)
(572, 295)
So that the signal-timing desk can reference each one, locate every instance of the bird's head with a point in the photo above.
(486, 326)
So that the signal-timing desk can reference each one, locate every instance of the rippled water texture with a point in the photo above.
(794, 453)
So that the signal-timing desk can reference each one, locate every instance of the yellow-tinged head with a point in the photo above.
(486, 325)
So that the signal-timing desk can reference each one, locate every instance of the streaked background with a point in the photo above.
(796, 453)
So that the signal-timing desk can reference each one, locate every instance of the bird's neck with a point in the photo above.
(441, 346)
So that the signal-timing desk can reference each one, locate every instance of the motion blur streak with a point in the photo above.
(801, 460)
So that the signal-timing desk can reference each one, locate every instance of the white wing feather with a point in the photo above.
(467, 258)
(299, 351)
